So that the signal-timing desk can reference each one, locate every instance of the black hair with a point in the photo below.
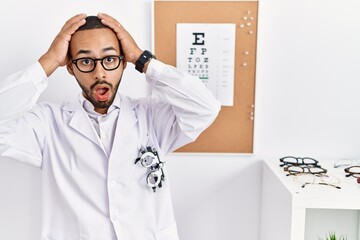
(92, 22)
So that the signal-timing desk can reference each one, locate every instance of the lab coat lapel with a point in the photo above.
(126, 121)
(80, 122)
(124, 149)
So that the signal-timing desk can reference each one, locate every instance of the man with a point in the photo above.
(101, 157)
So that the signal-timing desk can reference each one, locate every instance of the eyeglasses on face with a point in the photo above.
(87, 65)
(290, 160)
(353, 171)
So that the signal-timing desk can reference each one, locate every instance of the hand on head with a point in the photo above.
(57, 54)
(131, 51)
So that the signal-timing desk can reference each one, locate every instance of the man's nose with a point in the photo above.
(99, 71)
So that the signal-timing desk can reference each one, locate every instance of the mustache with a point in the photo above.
(100, 82)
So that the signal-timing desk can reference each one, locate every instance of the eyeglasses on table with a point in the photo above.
(317, 179)
(299, 169)
(353, 171)
(290, 160)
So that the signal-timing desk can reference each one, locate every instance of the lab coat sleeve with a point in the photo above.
(185, 106)
(21, 121)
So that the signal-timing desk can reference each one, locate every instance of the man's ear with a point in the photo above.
(69, 67)
(124, 62)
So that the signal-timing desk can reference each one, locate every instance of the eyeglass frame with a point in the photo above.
(284, 163)
(324, 183)
(95, 60)
(303, 167)
(351, 174)
(346, 163)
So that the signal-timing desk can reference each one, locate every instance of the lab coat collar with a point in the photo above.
(77, 105)
(80, 121)
(89, 108)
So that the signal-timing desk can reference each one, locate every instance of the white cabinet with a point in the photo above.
(285, 202)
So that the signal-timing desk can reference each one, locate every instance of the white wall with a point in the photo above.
(215, 196)
(307, 103)
(307, 89)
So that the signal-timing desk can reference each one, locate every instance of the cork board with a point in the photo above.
(232, 131)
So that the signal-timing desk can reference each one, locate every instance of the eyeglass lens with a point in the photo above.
(89, 64)
(148, 159)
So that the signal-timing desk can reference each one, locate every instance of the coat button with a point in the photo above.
(114, 218)
(113, 183)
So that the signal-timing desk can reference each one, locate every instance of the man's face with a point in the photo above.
(100, 85)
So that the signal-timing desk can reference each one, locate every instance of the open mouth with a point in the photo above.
(102, 92)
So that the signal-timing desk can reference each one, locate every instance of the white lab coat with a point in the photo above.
(87, 195)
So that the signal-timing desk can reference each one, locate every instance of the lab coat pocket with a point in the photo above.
(169, 233)
(123, 157)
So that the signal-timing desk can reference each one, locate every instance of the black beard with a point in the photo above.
(99, 104)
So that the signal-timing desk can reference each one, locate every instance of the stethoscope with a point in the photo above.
(149, 158)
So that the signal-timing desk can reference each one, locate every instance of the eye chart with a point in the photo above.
(215, 41)
(208, 51)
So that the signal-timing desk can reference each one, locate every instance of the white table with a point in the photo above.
(284, 201)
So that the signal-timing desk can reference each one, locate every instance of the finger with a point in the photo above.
(117, 28)
(106, 17)
(66, 34)
(73, 27)
(110, 22)
(74, 19)
(129, 46)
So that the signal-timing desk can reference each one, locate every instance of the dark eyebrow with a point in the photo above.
(108, 49)
(83, 52)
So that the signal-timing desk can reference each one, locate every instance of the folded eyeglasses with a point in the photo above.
(353, 171)
(298, 169)
(297, 165)
(149, 158)
(321, 179)
(290, 160)
(307, 171)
